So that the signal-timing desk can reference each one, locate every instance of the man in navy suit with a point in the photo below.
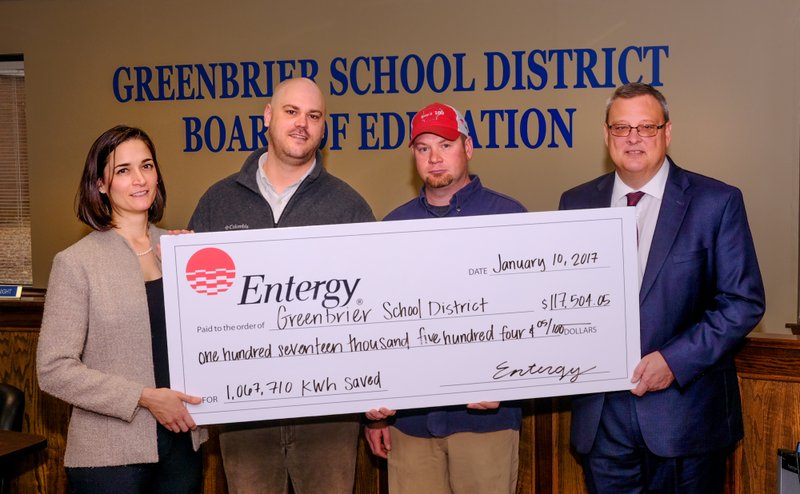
(700, 293)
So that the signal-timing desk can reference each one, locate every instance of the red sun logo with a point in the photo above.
(210, 271)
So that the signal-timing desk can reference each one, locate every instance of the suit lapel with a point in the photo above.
(605, 186)
(673, 210)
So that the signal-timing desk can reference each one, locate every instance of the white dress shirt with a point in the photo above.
(646, 210)
(277, 201)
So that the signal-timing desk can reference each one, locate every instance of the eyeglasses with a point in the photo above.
(644, 130)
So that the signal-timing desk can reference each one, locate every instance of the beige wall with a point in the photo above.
(732, 78)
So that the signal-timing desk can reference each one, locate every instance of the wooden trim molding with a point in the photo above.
(24, 312)
(774, 357)
(769, 380)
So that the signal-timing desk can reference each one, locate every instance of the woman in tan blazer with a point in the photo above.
(102, 346)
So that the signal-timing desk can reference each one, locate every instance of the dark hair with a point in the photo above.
(94, 208)
(634, 89)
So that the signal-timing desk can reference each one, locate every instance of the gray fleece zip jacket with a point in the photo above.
(235, 203)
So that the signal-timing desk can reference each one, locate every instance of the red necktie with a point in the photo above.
(634, 197)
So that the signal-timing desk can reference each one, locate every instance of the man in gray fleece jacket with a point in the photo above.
(286, 186)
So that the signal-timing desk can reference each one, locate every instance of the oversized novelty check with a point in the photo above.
(322, 320)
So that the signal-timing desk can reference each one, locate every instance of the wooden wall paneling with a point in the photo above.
(371, 475)
(33, 473)
(769, 380)
(214, 481)
(769, 371)
(570, 473)
(528, 468)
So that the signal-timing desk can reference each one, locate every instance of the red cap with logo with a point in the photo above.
(442, 120)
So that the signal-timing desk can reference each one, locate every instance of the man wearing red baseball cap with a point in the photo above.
(456, 449)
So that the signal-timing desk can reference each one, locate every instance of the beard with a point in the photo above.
(438, 181)
(291, 152)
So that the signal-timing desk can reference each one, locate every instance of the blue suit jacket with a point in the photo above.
(700, 296)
